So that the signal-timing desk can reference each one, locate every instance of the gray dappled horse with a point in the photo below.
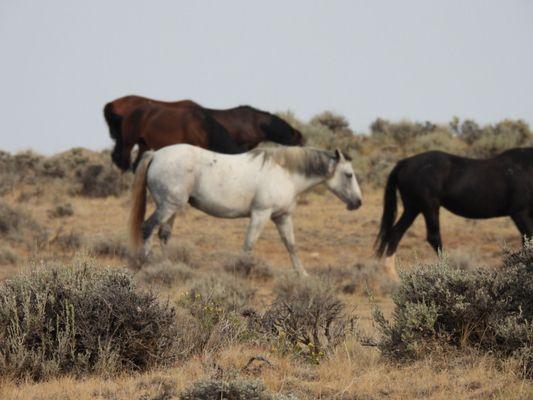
(262, 184)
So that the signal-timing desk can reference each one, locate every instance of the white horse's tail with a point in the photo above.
(138, 197)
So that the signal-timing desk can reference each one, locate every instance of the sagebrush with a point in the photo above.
(80, 319)
(437, 306)
(307, 319)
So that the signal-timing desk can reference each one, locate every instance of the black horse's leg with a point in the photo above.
(431, 215)
(524, 223)
(399, 229)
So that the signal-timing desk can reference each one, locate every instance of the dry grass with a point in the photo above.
(335, 245)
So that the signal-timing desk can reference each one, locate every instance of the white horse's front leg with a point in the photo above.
(284, 225)
(257, 223)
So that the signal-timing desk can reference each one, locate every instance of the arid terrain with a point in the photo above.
(335, 245)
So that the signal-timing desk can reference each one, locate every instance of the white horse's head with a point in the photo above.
(342, 181)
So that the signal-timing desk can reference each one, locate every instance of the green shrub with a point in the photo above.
(166, 273)
(53, 167)
(7, 256)
(232, 390)
(152, 388)
(61, 210)
(334, 122)
(110, 247)
(400, 132)
(357, 278)
(216, 304)
(247, 266)
(219, 291)
(374, 169)
(101, 180)
(307, 318)
(441, 306)
(69, 241)
(15, 223)
(182, 253)
(468, 131)
(9, 175)
(504, 135)
(79, 319)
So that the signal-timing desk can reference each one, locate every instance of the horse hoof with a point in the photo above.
(390, 268)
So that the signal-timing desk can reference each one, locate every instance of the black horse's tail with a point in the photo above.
(389, 211)
(113, 120)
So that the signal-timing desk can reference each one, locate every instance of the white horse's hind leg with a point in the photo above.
(257, 223)
(158, 217)
(165, 231)
(285, 229)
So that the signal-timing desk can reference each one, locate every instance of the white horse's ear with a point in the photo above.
(333, 161)
(338, 155)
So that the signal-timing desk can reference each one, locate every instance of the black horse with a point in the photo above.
(496, 187)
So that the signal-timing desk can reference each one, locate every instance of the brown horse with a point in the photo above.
(185, 122)
(151, 126)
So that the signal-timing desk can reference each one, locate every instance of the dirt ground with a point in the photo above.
(328, 236)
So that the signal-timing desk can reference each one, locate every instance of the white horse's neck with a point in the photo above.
(303, 183)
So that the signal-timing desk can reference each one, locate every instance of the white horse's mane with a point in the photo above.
(304, 160)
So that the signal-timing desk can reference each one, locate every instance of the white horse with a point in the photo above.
(262, 184)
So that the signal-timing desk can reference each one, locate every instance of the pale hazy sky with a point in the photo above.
(61, 61)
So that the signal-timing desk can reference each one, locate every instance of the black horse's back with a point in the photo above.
(522, 156)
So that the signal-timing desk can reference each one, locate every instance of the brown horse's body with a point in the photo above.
(152, 124)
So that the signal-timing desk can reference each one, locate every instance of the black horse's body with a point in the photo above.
(495, 187)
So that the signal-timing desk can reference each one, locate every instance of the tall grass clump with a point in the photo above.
(439, 306)
(216, 305)
(16, 224)
(213, 389)
(247, 265)
(78, 319)
(307, 319)
(101, 180)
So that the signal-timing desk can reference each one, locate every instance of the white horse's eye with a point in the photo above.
(349, 175)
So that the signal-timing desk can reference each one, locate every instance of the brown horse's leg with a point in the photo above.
(125, 159)
(524, 223)
(431, 216)
(132, 127)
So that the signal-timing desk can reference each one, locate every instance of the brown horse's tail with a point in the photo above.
(138, 196)
(389, 212)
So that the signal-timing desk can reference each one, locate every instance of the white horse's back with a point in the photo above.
(222, 185)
